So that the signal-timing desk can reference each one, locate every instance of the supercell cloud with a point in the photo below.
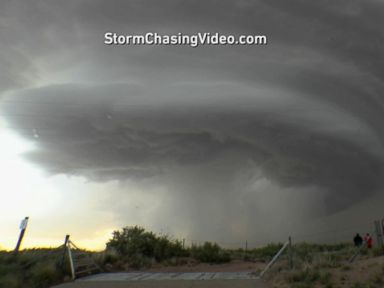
(232, 134)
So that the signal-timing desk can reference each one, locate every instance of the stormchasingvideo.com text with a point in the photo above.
(193, 40)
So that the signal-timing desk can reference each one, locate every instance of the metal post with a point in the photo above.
(23, 227)
(64, 251)
(246, 249)
(382, 226)
(71, 261)
(382, 233)
(379, 234)
(290, 254)
(274, 259)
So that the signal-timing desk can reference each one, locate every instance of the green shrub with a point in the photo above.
(309, 278)
(44, 275)
(139, 247)
(210, 253)
(377, 251)
(325, 278)
(108, 257)
(266, 253)
(166, 249)
(132, 240)
(139, 261)
(10, 281)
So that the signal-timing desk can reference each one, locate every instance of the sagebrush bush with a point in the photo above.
(139, 247)
(210, 253)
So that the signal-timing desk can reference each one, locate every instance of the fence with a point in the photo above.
(330, 236)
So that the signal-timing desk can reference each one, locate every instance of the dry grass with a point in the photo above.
(329, 269)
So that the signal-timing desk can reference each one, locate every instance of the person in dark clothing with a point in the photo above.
(358, 240)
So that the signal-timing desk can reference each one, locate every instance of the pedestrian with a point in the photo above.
(357, 240)
(368, 240)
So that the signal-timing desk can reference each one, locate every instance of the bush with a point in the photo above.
(132, 240)
(166, 249)
(107, 257)
(30, 268)
(44, 275)
(310, 277)
(139, 261)
(139, 247)
(306, 276)
(266, 253)
(210, 253)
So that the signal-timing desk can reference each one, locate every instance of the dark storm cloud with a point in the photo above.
(81, 133)
(304, 113)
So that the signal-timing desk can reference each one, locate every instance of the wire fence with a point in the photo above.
(329, 236)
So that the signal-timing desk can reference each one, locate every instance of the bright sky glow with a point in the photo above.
(48, 201)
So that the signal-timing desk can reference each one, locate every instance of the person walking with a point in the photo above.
(357, 240)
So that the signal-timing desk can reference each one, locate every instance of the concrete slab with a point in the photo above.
(213, 283)
(135, 276)
(169, 280)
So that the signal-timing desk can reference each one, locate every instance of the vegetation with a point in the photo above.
(210, 252)
(135, 241)
(324, 265)
(265, 253)
(314, 265)
(31, 268)
(309, 277)
(141, 248)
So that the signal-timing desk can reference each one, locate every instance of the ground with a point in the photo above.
(233, 266)
(186, 271)
(366, 271)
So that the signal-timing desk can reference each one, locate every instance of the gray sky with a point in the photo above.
(215, 142)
